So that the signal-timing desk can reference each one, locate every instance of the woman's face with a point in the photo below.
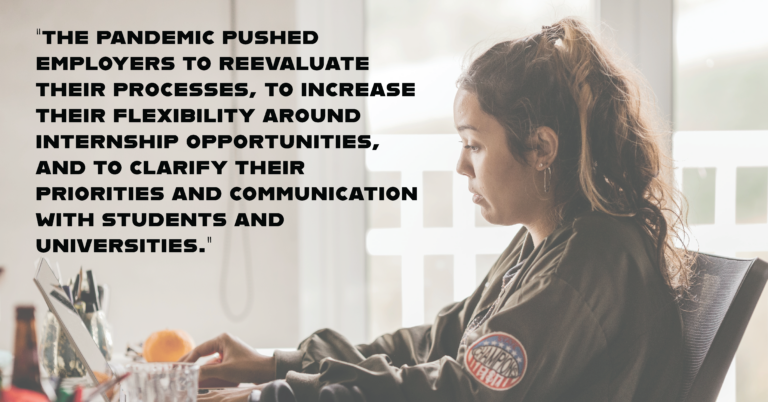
(503, 187)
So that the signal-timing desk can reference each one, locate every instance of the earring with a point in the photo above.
(547, 179)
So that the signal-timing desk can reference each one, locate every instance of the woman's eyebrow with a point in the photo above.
(466, 127)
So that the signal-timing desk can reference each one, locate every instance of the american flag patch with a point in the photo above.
(497, 360)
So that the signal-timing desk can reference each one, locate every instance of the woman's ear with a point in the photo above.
(545, 143)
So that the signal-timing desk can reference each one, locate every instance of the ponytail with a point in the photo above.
(610, 155)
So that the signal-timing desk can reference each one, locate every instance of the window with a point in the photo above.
(720, 98)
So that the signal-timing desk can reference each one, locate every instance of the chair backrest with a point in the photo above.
(722, 298)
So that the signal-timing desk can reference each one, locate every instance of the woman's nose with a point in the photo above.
(463, 166)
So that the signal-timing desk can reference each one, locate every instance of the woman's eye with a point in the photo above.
(469, 147)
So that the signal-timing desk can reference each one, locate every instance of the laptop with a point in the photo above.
(80, 339)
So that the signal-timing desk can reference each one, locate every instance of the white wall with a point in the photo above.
(642, 30)
(332, 260)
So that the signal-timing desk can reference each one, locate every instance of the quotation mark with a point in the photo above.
(38, 31)
(202, 250)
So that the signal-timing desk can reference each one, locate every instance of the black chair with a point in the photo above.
(722, 298)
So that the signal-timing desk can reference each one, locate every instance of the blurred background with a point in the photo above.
(370, 268)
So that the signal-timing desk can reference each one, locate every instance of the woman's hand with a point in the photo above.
(228, 395)
(238, 362)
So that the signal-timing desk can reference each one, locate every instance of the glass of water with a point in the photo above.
(161, 382)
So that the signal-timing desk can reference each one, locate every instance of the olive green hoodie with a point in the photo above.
(588, 317)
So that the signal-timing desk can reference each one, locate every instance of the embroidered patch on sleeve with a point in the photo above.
(497, 360)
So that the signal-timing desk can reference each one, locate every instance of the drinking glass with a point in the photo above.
(161, 382)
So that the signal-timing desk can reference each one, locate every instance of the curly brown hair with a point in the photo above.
(610, 157)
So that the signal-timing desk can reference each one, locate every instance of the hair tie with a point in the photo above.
(553, 32)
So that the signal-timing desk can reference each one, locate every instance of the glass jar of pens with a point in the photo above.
(90, 301)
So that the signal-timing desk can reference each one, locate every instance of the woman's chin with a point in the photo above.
(488, 215)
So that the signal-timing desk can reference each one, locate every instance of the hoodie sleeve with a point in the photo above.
(515, 355)
(409, 346)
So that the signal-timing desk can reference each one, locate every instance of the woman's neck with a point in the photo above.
(540, 229)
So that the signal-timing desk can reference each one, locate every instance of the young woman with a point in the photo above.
(581, 305)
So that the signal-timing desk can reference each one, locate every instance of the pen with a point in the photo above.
(68, 292)
(80, 285)
(75, 288)
(105, 386)
(93, 293)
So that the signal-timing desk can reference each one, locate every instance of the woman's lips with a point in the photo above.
(476, 198)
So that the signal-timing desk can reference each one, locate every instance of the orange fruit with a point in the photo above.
(167, 345)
